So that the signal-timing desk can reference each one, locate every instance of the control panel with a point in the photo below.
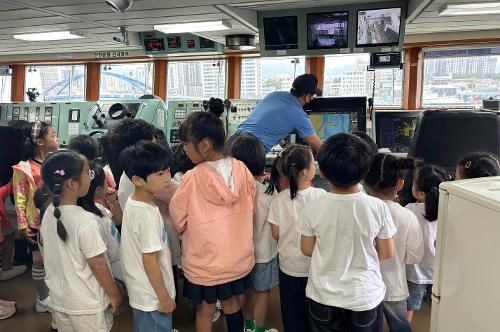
(178, 111)
(238, 112)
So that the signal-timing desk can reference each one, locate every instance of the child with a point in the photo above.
(213, 210)
(109, 233)
(252, 153)
(146, 260)
(87, 146)
(426, 191)
(477, 165)
(41, 140)
(298, 168)
(180, 164)
(383, 181)
(7, 308)
(78, 276)
(347, 233)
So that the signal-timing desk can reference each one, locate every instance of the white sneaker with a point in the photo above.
(216, 316)
(43, 305)
(12, 273)
(174, 330)
(218, 305)
(271, 330)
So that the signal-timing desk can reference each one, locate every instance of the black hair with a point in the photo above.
(125, 133)
(180, 161)
(57, 168)
(30, 145)
(365, 137)
(276, 173)
(11, 150)
(144, 159)
(42, 198)
(478, 165)
(216, 106)
(85, 145)
(298, 158)
(203, 125)
(87, 202)
(344, 160)
(251, 152)
(386, 171)
(427, 179)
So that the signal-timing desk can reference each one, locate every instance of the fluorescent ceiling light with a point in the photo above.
(484, 8)
(194, 27)
(56, 35)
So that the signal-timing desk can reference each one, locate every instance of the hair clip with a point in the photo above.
(60, 172)
(468, 164)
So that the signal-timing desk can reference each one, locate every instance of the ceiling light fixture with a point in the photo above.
(194, 27)
(119, 6)
(42, 36)
(484, 8)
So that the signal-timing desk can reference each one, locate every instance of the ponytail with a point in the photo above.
(57, 190)
(297, 159)
(432, 204)
(428, 179)
(293, 180)
(274, 179)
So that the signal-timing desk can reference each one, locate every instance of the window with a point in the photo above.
(5, 88)
(460, 77)
(56, 83)
(196, 79)
(260, 76)
(126, 80)
(348, 75)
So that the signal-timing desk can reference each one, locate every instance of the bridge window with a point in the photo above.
(460, 77)
(196, 79)
(5, 88)
(347, 75)
(56, 83)
(126, 80)
(260, 76)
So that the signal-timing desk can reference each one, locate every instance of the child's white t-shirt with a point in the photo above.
(265, 245)
(143, 231)
(423, 272)
(74, 290)
(111, 238)
(285, 213)
(345, 270)
(408, 249)
(224, 167)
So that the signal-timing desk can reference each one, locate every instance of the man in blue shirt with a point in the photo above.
(281, 113)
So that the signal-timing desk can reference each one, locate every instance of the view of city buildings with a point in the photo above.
(57, 83)
(460, 80)
(126, 81)
(196, 80)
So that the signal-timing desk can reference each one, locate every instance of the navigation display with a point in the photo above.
(328, 124)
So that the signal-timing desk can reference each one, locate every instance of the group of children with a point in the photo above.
(343, 259)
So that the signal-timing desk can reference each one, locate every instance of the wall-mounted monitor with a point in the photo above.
(378, 27)
(281, 33)
(327, 30)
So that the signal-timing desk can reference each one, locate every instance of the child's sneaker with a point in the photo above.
(216, 316)
(42, 305)
(6, 312)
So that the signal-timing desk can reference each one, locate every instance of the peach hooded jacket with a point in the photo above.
(216, 224)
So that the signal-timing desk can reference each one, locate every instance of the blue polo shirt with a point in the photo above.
(278, 115)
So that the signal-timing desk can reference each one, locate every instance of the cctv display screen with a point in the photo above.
(280, 33)
(327, 124)
(395, 131)
(327, 30)
(378, 27)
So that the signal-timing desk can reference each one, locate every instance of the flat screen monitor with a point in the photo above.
(327, 30)
(378, 27)
(280, 33)
(330, 116)
(394, 129)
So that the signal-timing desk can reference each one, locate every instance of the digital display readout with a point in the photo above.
(155, 44)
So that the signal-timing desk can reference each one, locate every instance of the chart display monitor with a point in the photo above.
(327, 30)
(328, 124)
(395, 129)
(280, 33)
(378, 27)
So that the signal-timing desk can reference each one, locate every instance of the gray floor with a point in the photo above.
(22, 291)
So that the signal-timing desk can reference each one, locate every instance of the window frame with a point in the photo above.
(111, 64)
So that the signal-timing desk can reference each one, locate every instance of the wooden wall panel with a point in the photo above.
(316, 65)
(233, 77)
(92, 81)
(160, 78)
(412, 72)
(18, 80)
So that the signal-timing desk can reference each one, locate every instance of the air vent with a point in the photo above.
(240, 42)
